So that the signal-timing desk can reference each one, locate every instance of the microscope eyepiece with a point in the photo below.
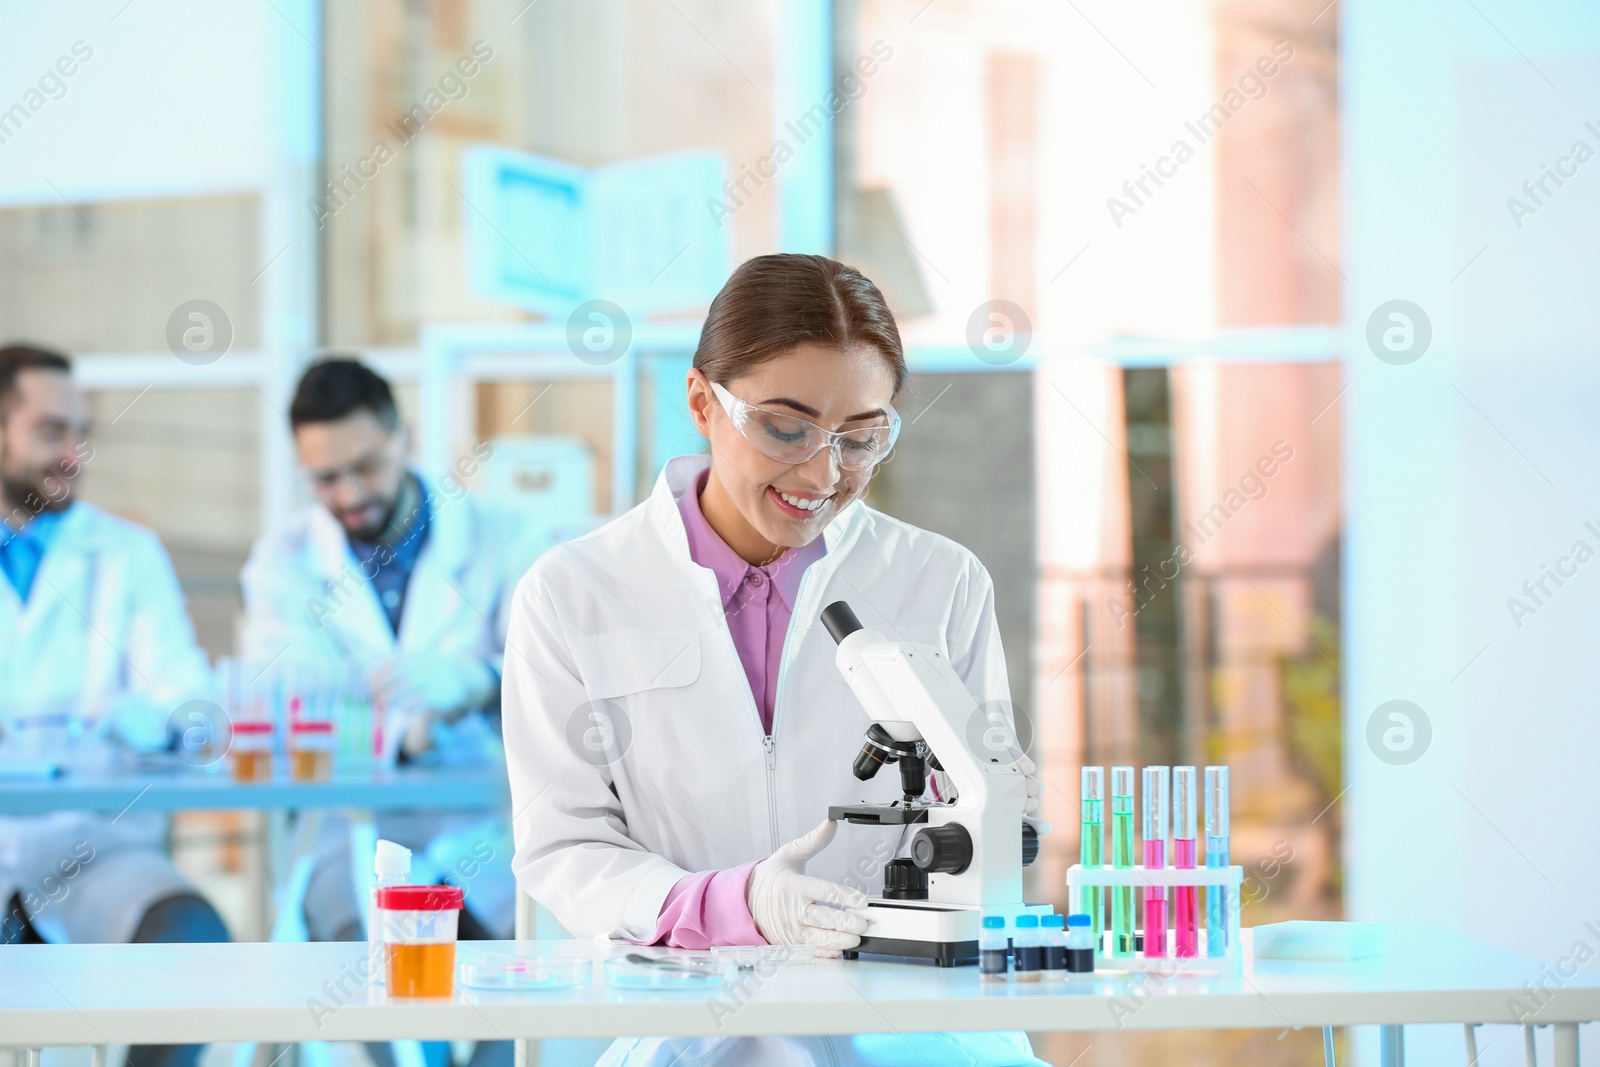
(840, 620)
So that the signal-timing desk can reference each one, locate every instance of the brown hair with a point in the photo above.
(16, 358)
(773, 303)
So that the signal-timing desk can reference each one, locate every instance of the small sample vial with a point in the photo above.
(992, 950)
(1026, 948)
(311, 750)
(1053, 937)
(252, 751)
(1080, 945)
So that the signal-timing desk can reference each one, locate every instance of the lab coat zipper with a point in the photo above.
(771, 748)
(768, 745)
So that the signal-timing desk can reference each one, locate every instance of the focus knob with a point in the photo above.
(943, 849)
(904, 880)
(1030, 844)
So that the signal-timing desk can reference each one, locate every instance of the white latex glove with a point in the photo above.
(418, 688)
(792, 908)
(140, 722)
(432, 681)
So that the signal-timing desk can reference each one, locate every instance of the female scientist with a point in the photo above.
(675, 726)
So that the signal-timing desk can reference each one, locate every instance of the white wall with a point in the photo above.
(1467, 471)
(173, 97)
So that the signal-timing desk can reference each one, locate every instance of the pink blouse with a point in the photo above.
(709, 908)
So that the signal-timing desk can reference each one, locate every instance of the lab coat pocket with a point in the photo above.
(625, 664)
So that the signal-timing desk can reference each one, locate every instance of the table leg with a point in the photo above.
(1566, 1038)
(1392, 1046)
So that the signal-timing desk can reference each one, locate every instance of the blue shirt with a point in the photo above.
(388, 566)
(22, 552)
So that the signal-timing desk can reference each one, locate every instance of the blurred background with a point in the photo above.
(1233, 361)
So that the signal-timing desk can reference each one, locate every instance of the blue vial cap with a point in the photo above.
(994, 922)
(1077, 920)
(1027, 922)
(1053, 922)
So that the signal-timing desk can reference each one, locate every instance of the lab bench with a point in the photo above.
(119, 994)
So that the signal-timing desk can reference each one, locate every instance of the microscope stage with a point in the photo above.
(878, 814)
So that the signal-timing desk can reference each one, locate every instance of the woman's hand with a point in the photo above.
(792, 908)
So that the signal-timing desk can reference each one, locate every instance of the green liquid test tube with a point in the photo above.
(1122, 914)
(1092, 847)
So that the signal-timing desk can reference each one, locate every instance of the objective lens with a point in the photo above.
(875, 752)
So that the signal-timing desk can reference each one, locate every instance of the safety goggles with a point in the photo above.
(793, 440)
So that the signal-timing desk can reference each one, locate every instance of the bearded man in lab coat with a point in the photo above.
(407, 582)
(97, 655)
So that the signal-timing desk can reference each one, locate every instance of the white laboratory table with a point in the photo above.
(182, 788)
(201, 790)
(116, 994)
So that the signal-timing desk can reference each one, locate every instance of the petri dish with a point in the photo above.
(682, 971)
(507, 973)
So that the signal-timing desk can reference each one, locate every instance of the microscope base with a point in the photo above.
(920, 929)
(942, 953)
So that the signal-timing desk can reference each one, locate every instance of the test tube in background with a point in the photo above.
(1122, 856)
(1092, 844)
(1154, 828)
(1217, 902)
(1185, 900)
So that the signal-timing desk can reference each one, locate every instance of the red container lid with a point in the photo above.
(252, 726)
(421, 898)
(311, 726)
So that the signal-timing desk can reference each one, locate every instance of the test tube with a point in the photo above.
(1217, 902)
(1185, 900)
(1092, 844)
(1154, 829)
(1122, 857)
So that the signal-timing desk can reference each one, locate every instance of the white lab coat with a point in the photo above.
(105, 618)
(623, 625)
(307, 602)
(619, 648)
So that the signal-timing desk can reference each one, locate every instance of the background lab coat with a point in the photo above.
(105, 618)
(457, 602)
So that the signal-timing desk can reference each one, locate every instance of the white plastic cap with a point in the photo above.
(391, 858)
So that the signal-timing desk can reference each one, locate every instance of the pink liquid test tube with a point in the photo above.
(1185, 898)
(1153, 830)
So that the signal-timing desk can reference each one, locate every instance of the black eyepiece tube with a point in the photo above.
(840, 620)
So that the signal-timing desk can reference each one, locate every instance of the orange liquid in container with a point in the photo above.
(252, 766)
(427, 970)
(311, 765)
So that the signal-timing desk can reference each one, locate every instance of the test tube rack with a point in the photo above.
(1079, 876)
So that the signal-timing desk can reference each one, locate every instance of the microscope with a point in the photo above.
(967, 857)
